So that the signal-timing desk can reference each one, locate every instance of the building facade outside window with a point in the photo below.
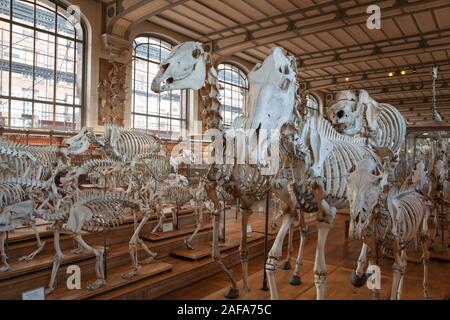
(234, 91)
(41, 66)
(163, 114)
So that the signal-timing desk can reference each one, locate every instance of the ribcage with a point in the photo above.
(11, 194)
(336, 168)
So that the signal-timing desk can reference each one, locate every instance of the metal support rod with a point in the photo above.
(266, 242)
(224, 218)
(105, 255)
(6, 243)
(176, 213)
(238, 204)
(442, 222)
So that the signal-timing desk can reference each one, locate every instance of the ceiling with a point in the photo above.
(335, 49)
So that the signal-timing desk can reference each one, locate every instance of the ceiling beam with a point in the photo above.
(137, 13)
(411, 67)
(344, 85)
(329, 21)
(173, 4)
(374, 47)
(367, 55)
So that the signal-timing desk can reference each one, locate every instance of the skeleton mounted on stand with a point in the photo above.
(190, 66)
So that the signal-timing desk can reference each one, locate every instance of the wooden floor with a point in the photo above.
(341, 258)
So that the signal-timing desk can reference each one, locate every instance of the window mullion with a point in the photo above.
(55, 60)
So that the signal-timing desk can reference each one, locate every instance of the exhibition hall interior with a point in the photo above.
(224, 149)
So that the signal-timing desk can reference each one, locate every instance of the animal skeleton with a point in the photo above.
(189, 66)
(360, 115)
(118, 143)
(379, 214)
(16, 207)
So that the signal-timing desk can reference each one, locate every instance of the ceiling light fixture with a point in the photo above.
(403, 72)
(391, 74)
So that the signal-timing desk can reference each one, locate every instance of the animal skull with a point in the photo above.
(352, 112)
(80, 143)
(363, 191)
(185, 68)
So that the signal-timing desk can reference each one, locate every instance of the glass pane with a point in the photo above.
(78, 73)
(21, 114)
(164, 104)
(22, 62)
(141, 51)
(44, 66)
(77, 118)
(175, 126)
(139, 122)
(140, 65)
(152, 70)
(140, 103)
(45, 19)
(153, 102)
(64, 27)
(23, 12)
(4, 112)
(64, 118)
(4, 56)
(164, 127)
(154, 53)
(65, 78)
(153, 124)
(176, 104)
(48, 4)
(43, 115)
(5, 8)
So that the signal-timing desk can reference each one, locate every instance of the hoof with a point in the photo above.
(4, 268)
(97, 284)
(358, 281)
(233, 293)
(130, 274)
(295, 281)
(286, 265)
(148, 260)
(77, 251)
(188, 244)
(49, 290)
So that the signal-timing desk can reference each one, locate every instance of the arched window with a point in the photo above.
(165, 113)
(234, 91)
(41, 65)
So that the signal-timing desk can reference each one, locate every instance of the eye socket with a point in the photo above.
(196, 53)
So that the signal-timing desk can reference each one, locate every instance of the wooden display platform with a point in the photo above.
(172, 234)
(114, 280)
(338, 288)
(204, 250)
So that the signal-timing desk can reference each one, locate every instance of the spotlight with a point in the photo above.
(390, 74)
(347, 79)
(403, 72)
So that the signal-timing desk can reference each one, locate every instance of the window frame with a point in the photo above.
(162, 44)
(229, 66)
(53, 102)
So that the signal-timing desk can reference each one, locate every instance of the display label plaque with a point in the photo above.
(167, 227)
(35, 294)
